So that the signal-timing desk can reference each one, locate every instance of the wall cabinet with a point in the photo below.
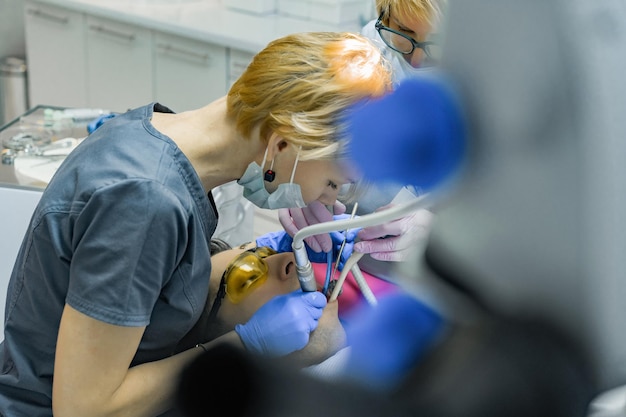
(119, 65)
(55, 49)
(80, 60)
(237, 64)
(187, 74)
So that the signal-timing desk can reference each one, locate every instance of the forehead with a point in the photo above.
(417, 24)
(340, 171)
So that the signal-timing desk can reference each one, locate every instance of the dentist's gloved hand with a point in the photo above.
(295, 219)
(283, 324)
(395, 240)
(281, 241)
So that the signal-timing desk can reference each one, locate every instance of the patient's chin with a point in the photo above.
(325, 341)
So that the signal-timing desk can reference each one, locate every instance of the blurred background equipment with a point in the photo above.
(13, 93)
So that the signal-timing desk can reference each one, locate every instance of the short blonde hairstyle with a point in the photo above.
(430, 11)
(301, 85)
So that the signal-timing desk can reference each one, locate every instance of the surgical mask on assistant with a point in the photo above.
(287, 195)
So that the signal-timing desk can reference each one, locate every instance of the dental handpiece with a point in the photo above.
(304, 270)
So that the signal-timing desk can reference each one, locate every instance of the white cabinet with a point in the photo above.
(237, 64)
(188, 74)
(119, 64)
(55, 49)
(76, 59)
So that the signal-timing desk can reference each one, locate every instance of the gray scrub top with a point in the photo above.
(122, 235)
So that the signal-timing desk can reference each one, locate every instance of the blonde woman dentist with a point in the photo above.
(112, 272)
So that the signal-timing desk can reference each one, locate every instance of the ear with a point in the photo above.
(275, 145)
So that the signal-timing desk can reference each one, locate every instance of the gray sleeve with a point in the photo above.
(127, 239)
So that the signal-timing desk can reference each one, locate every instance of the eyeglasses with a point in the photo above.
(245, 273)
(404, 44)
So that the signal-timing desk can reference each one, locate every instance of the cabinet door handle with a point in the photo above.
(49, 16)
(120, 35)
(164, 47)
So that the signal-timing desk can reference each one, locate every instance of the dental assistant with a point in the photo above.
(112, 272)
(406, 32)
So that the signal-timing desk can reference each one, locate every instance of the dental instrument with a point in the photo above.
(330, 271)
(343, 244)
(344, 273)
(303, 264)
(329, 268)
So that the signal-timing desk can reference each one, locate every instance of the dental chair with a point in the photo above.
(526, 254)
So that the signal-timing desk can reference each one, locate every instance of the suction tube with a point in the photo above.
(303, 265)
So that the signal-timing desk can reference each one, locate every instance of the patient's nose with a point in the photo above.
(282, 266)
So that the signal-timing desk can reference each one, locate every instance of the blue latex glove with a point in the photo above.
(281, 241)
(96, 123)
(283, 324)
(337, 238)
(389, 339)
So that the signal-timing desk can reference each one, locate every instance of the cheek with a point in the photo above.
(416, 58)
(277, 287)
(253, 302)
(312, 193)
(263, 294)
(311, 186)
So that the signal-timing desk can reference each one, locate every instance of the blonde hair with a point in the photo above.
(301, 85)
(430, 11)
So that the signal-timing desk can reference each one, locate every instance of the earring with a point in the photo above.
(270, 174)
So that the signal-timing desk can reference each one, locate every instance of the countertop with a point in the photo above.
(202, 20)
(8, 176)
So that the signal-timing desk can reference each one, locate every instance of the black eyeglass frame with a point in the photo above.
(221, 293)
(415, 44)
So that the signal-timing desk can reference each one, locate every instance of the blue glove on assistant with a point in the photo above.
(283, 324)
(282, 242)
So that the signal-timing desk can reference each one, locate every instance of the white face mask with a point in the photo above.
(286, 195)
